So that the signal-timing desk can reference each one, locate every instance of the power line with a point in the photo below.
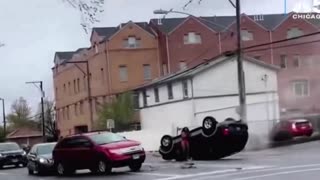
(288, 45)
(282, 40)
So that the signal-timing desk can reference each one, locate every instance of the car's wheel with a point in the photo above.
(103, 167)
(62, 171)
(30, 172)
(134, 167)
(209, 126)
(166, 143)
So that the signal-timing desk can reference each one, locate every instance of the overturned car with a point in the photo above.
(211, 141)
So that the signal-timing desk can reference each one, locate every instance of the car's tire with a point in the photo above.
(166, 143)
(135, 167)
(209, 126)
(103, 167)
(30, 172)
(62, 170)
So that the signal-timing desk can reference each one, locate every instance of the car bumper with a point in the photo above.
(303, 132)
(126, 160)
(42, 168)
(12, 161)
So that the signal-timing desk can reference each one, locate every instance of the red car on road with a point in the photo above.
(292, 128)
(97, 151)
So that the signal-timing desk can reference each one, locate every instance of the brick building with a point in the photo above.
(121, 58)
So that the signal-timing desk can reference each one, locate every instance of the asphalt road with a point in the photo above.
(285, 163)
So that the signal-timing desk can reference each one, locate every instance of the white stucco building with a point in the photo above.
(211, 89)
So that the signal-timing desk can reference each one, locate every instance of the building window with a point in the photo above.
(132, 42)
(156, 94)
(85, 82)
(146, 72)
(68, 112)
(192, 38)
(74, 86)
(301, 88)
(145, 100)
(123, 73)
(294, 32)
(64, 88)
(296, 61)
(246, 35)
(81, 107)
(182, 65)
(170, 93)
(283, 61)
(96, 48)
(102, 75)
(69, 87)
(185, 88)
(308, 61)
(78, 84)
(76, 109)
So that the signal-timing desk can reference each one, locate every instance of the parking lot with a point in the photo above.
(289, 162)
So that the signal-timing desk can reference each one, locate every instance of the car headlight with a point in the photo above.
(24, 153)
(42, 160)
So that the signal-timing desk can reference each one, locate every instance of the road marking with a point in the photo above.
(259, 170)
(157, 174)
(279, 173)
(199, 174)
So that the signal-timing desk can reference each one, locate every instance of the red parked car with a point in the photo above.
(292, 128)
(97, 151)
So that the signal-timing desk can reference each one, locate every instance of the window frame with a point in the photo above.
(156, 94)
(296, 58)
(192, 38)
(145, 98)
(285, 60)
(170, 91)
(120, 75)
(301, 81)
(185, 90)
(145, 68)
(244, 32)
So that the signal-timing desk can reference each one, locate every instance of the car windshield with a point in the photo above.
(106, 138)
(45, 149)
(9, 147)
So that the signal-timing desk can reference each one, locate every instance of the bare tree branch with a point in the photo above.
(90, 11)
(187, 4)
(232, 4)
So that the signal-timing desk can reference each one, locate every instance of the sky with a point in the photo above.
(33, 30)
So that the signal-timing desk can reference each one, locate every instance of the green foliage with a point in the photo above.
(20, 114)
(121, 111)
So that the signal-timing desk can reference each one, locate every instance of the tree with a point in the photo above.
(49, 117)
(89, 9)
(121, 111)
(20, 114)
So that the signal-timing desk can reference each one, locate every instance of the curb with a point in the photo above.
(295, 141)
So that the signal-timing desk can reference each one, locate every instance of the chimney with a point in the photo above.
(160, 21)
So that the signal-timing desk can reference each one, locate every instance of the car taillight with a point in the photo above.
(293, 127)
(226, 131)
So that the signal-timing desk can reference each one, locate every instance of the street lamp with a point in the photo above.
(241, 78)
(87, 73)
(4, 117)
(42, 106)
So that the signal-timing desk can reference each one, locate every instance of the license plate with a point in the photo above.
(14, 160)
(135, 156)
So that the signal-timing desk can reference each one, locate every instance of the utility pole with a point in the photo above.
(4, 118)
(42, 107)
(241, 80)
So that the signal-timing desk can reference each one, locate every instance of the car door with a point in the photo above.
(84, 152)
